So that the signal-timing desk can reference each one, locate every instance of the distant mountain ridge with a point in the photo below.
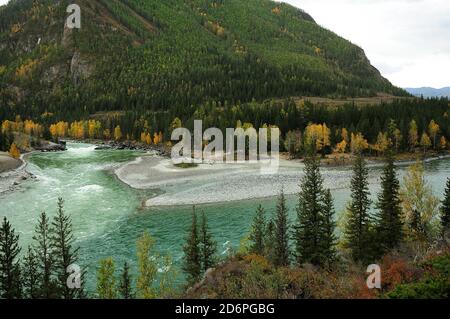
(429, 92)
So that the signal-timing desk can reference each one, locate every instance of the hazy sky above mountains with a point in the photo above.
(407, 40)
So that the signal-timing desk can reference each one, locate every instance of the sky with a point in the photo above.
(407, 40)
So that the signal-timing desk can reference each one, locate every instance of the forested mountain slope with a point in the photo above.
(153, 55)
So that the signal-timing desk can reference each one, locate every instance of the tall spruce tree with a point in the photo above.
(281, 233)
(10, 281)
(445, 210)
(389, 225)
(63, 253)
(328, 243)
(126, 283)
(30, 275)
(308, 234)
(258, 232)
(45, 262)
(357, 232)
(208, 246)
(192, 259)
(269, 241)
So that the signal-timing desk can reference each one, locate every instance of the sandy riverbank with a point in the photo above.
(12, 172)
(215, 183)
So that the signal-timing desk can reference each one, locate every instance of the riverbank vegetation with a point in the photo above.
(410, 126)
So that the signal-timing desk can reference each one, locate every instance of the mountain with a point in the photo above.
(429, 92)
(153, 55)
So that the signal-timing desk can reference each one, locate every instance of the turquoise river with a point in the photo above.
(108, 216)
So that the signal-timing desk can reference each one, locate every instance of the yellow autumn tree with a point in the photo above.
(107, 134)
(443, 143)
(148, 139)
(345, 135)
(382, 144)
(318, 134)
(433, 130)
(143, 137)
(358, 143)
(341, 147)
(425, 142)
(14, 151)
(117, 133)
(413, 135)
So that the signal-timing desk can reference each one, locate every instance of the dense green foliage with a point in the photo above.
(156, 58)
(314, 230)
(192, 258)
(389, 221)
(258, 232)
(434, 285)
(43, 272)
(281, 244)
(357, 230)
(208, 246)
(445, 218)
(10, 284)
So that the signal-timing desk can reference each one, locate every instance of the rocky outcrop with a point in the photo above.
(52, 147)
(80, 69)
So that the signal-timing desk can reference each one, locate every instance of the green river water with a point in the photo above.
(108, 216)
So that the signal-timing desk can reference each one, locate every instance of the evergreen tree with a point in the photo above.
(208, 246)
(106, 282)
(45, 260)
(63, 253)
(10, 282)
(281, 233)
(357, 230)
(269, 242)
(2, 142)
(126, 282)
(445, 210)
(192, 260)
(328, 245)
(30, 275)
(389, 225)
(308, 236)
(258, 232)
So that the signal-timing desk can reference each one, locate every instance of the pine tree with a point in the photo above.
(389, 225)
(30, 275)
(308, 235)
(357, 230)
(281, 245)
(45, 260)
(269, 242)
(208, 247)
(192, 260)
(328, 244)
(63, 252)
(106, 282)
(258, 232)
(10, 281)
(126, 282)
(3, 142)
(445, 210)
